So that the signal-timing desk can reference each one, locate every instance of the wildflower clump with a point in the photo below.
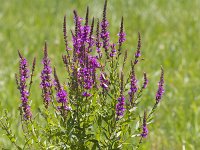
(95, 107)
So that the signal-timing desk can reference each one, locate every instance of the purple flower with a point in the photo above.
(105, 34)
(137, 54)
(93, 62)
(24, 75)
(88, 80)
(145, 81)
(77, 38)
(120, 107)
(78, 26)
(87, 72)
(121, 100)
(121, 37)
(161, 90)
(121, 34)
(46, 84)
(113, 50)
(144, 127)
(86, 28)
(86, 31)
(86, 94)
(61, 95)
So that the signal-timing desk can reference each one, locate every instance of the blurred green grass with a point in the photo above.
(170, 37)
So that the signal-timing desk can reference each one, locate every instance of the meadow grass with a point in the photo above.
(170, 37)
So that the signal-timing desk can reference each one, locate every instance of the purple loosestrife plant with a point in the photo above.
(98, 101)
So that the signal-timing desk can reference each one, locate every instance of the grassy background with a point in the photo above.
(170, 37)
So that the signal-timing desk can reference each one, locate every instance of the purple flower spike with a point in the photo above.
(46, 84)
(91, 41)
(86, 28)
(146, 81)
(113, 50)
(105, 35)
(120, 107)
(138, 52)
(79, 30)
(24, 75)
(88, 82)
(121, 34)
(133, 88)
(161, 90)
(61, 95)
(78, 26)
(98, 43)
(121, 100)
(86, 94)
(65, 34)
(87, 72)
(144, 126)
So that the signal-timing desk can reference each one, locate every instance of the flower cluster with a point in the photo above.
(144, 126)
(133, 87)
(61, 94)
(46, 84)
(24, 74)
(113, 50)
(89, 72)
(161, 90)
(99, 96)
(121, 34)
(120, 106)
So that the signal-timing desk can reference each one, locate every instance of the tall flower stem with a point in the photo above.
(32, 73)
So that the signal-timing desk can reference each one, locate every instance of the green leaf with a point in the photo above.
(132, 109)
(135, 135)
(118, 134)
(137, 125)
